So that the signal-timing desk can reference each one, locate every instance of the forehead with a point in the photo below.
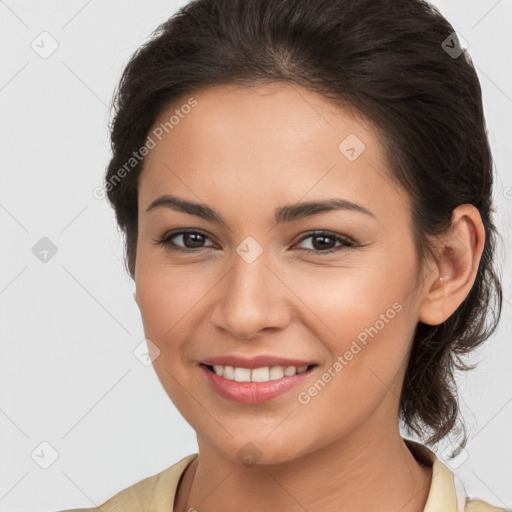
(265, 141)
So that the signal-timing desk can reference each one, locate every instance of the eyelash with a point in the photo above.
(346, 243)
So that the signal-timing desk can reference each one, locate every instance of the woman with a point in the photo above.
(305, 189)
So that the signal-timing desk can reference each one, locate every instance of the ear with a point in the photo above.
(450, 280)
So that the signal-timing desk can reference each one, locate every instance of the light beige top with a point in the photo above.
(156, 493)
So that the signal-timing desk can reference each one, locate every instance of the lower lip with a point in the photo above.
(253, 392)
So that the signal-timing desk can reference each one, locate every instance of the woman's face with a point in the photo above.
(260, 282)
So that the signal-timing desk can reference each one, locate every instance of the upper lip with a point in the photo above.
(255, 362)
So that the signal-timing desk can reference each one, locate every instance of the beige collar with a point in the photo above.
(446, 494)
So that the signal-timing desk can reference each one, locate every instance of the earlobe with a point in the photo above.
(456, 267)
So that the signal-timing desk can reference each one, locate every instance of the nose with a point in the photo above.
(252, 299)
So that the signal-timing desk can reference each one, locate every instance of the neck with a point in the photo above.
(360, 473)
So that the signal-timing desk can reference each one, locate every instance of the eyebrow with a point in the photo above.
(282, 214)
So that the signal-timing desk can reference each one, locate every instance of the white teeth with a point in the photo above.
(260, 374)
(257, 374)
(242, 375)
(229, 372)
(289, 371)
(276, 372)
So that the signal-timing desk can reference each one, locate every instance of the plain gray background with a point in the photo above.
(68, 376)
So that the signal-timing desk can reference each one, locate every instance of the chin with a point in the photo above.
(254, 452)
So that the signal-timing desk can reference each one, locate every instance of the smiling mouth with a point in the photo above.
(263, 374)
(254, 386)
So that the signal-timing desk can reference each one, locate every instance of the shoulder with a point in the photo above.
(476, 505)
(153, 493)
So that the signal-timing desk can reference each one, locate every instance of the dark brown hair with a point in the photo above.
(398, 64)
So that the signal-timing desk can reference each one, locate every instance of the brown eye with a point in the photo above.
(191, 240)
(324, 242)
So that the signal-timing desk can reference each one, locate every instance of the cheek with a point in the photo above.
(363, 315)
(166, 293)
(173, 303)
(349, 299)
(167, 299)
(367, 347)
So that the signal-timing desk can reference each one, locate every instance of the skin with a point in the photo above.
(245, 151)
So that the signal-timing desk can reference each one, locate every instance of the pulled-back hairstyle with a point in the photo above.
(398, 64)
